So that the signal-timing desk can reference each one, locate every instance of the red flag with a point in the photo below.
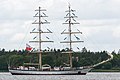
(28, 47)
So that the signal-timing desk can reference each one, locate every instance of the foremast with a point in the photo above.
(70, 20)
(39, 15)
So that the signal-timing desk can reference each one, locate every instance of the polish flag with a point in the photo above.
(28, 47)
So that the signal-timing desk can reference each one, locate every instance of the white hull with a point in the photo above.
(73, 72)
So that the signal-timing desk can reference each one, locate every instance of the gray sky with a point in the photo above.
(99, 22)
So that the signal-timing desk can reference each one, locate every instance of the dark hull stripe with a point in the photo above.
(48, 74)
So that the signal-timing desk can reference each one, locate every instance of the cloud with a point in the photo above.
(98, 9)
(17, 37)
(99, 21)
(15, 10)
(46, 3)
(116, 32)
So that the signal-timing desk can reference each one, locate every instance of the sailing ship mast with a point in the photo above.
(40, 14)
(70, 21)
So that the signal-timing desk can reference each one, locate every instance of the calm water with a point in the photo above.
(89, 76)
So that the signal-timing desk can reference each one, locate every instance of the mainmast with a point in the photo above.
(70, 21)
(40, 14)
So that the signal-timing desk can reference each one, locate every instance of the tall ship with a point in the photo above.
(47, 69)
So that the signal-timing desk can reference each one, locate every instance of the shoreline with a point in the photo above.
(104, 70)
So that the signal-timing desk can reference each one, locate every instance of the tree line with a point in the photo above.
(58, 57)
